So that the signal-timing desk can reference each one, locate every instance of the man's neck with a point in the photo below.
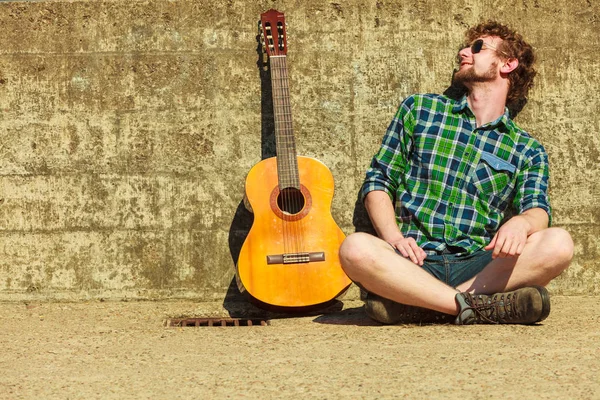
(487, 102)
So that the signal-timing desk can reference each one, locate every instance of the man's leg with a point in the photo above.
(375, 265)
(546, 254)
(511, 290)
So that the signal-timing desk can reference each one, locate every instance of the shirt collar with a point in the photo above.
(462, 105)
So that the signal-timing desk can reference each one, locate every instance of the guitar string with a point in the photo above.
(296, 197)
(276, 84)
(291, 200)
(288, 194)
(280, 160)
(293, 197)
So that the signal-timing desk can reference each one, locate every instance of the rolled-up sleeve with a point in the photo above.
(390, 163)
(532, 189)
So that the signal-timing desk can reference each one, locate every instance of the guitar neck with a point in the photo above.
(287, 163)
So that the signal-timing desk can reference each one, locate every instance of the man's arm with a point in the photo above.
(532, 197)
(383, 217)
(383, 181)
(511, 238)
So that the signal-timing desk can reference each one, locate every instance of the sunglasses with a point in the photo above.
(477, 46)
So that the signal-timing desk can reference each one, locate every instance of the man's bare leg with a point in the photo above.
(374, 264)
(545, 256)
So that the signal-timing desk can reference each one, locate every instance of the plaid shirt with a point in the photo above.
(452, 182)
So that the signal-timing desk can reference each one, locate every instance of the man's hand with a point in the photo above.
(409, 249)
(510, 239)
(382, 214)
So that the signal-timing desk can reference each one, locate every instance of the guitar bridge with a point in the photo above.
(296, 258)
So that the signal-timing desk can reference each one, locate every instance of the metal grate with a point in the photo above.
(196, 322)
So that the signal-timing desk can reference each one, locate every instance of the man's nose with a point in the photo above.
(465, 52)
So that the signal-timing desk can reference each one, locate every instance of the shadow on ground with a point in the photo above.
(350, 316)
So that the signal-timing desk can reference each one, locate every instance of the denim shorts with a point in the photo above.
(454, 269)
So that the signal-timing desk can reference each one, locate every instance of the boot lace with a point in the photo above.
(493, 309)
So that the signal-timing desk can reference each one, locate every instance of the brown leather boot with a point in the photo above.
(390, 312)
(522, 306)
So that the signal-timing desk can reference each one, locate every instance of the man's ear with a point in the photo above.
(509, 65)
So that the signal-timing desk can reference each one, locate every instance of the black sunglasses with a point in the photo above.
(477, 46)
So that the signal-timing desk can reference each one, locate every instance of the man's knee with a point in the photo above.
(554, 248)
(561, 245)
(354, 249)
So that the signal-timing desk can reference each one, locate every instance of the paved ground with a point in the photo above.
(117, 350)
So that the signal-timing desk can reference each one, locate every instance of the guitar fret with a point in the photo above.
(287, 164)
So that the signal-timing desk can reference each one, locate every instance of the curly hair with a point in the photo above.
(513, 45)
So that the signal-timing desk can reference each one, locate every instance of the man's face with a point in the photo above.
(481, 66)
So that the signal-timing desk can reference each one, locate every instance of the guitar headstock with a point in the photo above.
(272, 33)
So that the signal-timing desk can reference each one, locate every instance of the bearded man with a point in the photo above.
(439, 191)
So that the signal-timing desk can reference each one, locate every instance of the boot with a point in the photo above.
(522, 306)
(389, 312)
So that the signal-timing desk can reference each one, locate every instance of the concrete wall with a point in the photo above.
(127, 127)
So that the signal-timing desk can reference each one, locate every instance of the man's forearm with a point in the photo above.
(537, 219)
(383, 216)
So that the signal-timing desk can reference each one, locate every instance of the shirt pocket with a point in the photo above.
(493, 180)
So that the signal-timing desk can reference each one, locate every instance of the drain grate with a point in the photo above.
(194, 322)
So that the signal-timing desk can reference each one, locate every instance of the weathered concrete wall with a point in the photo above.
(127, 127)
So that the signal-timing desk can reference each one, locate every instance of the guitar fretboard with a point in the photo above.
(287, 164)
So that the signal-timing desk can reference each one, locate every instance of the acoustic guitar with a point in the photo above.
(290, 256)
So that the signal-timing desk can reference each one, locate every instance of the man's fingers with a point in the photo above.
(499, 248)
(411, 254)
(521, 247)
(510, 248)
(492, 244)
(507, 243)
(404, 250)
(409, 249)
(514, 249)
(418, 252)
(421, 255)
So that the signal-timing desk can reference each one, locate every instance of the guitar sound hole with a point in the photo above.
(290, 201)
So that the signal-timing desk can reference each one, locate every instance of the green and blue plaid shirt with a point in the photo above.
(452, 182)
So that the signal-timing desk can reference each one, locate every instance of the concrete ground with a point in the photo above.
(120, 350)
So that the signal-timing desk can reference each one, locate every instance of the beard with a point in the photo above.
(469, 75)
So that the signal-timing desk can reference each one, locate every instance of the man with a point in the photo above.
(447, 174)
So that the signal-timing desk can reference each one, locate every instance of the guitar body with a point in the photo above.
(306, 232)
